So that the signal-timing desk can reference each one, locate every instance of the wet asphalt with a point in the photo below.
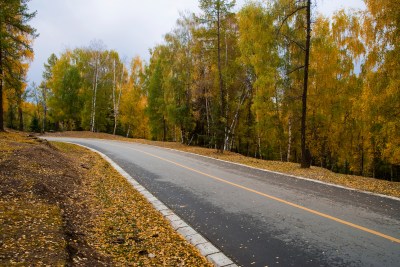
(254, 230)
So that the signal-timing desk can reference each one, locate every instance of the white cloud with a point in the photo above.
(130, 27)
(328, 7)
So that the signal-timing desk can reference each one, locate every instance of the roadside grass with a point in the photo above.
(316, 173)
(61, 204)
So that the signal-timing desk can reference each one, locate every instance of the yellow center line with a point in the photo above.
(359, 227)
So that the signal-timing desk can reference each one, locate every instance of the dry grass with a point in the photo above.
(316, 173)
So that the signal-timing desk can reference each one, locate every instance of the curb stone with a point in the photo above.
(205, 247)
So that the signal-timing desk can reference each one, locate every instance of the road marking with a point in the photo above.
(359, 227)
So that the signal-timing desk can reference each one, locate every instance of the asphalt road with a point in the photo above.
(259, 218)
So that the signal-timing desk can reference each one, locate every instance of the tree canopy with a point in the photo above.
(236, 82)
(16, 37)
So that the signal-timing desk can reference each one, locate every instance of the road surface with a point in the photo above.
(258, 218)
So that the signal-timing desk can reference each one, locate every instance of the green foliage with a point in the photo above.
(35, 125)
(156, 109)
(65, 103)
(259, 47)
(216, 19)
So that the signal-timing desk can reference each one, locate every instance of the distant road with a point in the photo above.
(264, 219)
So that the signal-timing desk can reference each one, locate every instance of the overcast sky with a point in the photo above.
(130, 27)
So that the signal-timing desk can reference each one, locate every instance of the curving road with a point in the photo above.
(259, 218)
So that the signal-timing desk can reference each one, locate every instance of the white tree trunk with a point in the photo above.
(231, 130)
(289, 138)
(207, 116)
(116, 101)
(95, 83)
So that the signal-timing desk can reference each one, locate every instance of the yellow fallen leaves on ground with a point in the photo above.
(62, 205)
(31, 232)
(126, 227)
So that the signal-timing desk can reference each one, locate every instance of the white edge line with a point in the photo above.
(269, 171)
(205, 247)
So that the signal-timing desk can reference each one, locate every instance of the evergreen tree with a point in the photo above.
(35, 127)
(156, 104)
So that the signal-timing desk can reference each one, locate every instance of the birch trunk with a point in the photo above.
(114, 100)
(289, 139)
(231, 130)
(207, 113)
(117, 100)
(95, 83)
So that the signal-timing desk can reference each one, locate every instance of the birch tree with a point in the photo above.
(214, 15)
(96, 48)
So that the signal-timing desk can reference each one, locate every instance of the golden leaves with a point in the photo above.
(65, 205)
(31, 229)
(126, 227)
(31, 233)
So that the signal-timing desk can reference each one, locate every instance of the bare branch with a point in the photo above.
(294, 41)
(296, 69)
(288, 16)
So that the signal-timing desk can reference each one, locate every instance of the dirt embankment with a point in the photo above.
(62, 205)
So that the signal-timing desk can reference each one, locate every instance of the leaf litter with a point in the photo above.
(62, 205)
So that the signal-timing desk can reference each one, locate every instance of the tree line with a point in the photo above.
(16, 37)
(274, 80)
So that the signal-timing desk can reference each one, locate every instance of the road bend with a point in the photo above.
(259, 218)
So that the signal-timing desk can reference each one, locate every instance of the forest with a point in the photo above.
(275, 80)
